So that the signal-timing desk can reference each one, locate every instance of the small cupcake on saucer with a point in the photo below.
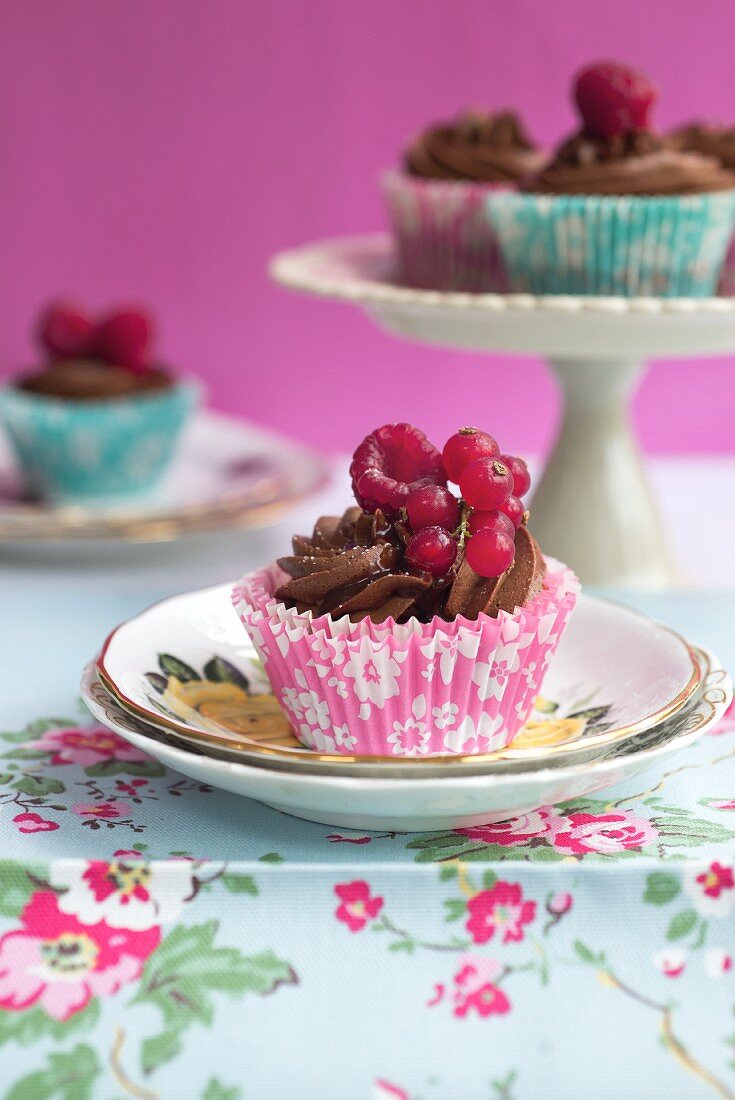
(436, 202)
(421, 621)
(617, 211)
(99, 418)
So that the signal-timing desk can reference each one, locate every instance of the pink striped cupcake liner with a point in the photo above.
(419, 689)
(443, 234)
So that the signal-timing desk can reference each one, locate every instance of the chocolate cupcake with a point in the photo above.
(436, 202)
(99, 418)
(416, 623)
(712, 140)
(708, 139)
(617, 211)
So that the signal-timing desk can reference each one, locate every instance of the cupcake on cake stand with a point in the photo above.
(618, 239)
(593, 507)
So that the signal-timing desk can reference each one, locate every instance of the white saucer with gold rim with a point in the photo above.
(446, 800)
(186, 665)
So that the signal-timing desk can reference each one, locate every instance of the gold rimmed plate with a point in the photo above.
(188, 666)
(228, 475)
(444, 796)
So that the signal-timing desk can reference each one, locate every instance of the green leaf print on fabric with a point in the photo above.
(17, 883)
(661, 887)
(682, 924)
(183, 973)
(240, 884)
(68, 1076)
(38, 785)
(216, 1091)
(148, 768)
(32, 1025)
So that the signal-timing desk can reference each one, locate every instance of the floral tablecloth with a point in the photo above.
(162, 939)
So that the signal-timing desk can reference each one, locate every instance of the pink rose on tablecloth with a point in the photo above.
(559, 904)
(126, 892)
(604, 834)
(518, 830)
(711, 886)
(34, 823)
(723, 804)
(475, 988)
(106, 810)
(58, 963)
(501, 909)
(85, 746)
(358, 906)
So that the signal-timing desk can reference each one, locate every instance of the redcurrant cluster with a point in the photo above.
(397, 469)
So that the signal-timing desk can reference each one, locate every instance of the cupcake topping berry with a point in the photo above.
(389, 463)
(121, 338)
(398, 474)
(613, 99)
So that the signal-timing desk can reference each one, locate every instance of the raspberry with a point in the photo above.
(464, 446)
(122, 339)
(613, 98)
(65, 331)
(389, 463)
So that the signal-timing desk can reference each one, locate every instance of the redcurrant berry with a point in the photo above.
(486, 483)
(514, 510)
(491, 551)
(464, 446)
(478, 521)
(521, 476)
(432, 506)
(432, 550)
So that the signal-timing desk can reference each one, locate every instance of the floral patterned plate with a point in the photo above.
(188, 666)
(427, 802)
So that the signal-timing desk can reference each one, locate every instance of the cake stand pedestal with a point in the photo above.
(593, 507)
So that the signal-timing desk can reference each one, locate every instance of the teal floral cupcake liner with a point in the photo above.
(627, 245)
(81, 450)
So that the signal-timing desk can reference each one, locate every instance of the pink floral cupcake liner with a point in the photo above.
(443, 234)
(418, 689)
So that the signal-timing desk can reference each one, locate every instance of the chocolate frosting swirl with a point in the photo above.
(92, 380)
(355, 565)
(633, 163)
(490, 148)
(710, 139)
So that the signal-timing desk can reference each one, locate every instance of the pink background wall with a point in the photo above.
(162, 149)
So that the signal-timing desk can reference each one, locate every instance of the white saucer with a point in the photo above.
(187, 665)
(228, 474)
(415, 804)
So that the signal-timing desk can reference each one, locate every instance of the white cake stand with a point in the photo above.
(593, 507)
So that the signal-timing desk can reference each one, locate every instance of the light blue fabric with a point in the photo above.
(619, 245)
(79, 450)
(274, 958)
